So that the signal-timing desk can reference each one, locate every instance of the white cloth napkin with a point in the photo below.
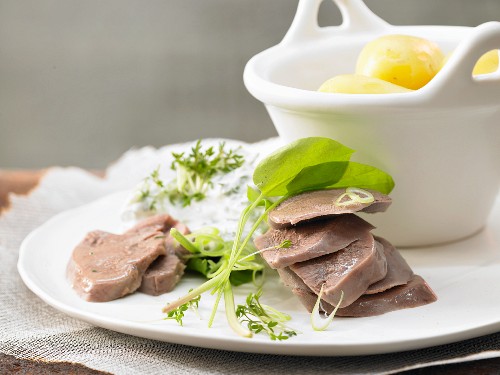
(31, 329)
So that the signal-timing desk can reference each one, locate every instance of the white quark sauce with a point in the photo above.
(221, 208)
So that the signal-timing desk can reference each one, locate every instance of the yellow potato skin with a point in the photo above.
(358, 84)
(403, 60)
(488, 63)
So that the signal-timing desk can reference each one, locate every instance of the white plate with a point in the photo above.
(464, 275)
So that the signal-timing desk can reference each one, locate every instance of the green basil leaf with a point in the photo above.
(199, 265)
(275, 172)
(317, 177)
(365, 177)
(241, 277)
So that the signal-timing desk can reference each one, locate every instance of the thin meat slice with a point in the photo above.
(308, 299)
(156, 223)
(291, 280)
(305, 295)
(163, 223)
(351, 270)
(398, 271)
(311, 240)
(163, 275)
(415, 293)
(319, 204)
(106, 266)
(394, 298)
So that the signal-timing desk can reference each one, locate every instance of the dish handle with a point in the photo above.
(455, 79)
(356, 17)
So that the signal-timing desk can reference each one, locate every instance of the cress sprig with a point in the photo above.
(194, 174)
(178, 313)
(196, 169)
(262, 318)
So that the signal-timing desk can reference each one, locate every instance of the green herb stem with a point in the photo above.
(235, 254)
(219, 291)
(183, 241)
(241, 226)
(205, 287)
(238, 251)
(219, 270)
(232, 319)
(224, 275)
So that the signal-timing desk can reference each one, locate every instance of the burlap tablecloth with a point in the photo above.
(31, 329)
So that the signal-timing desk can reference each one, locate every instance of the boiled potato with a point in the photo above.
(404, 60)
(488, 63)
(358, 84)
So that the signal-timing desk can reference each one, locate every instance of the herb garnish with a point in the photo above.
(307, 164)
(152, 191)
(209, 255)
(194, 174)
(195, 171)
(263, 318)
(178, 313)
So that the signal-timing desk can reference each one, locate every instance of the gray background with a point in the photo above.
(82, 81)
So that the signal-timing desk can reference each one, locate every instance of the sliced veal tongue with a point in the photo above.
(311, 240)
(351, 270)
(400, 289)
(162, 276)
(291, 280)
(166, 271)
(106, 266)
(413, 294)
(319, 204)
(163, 223)
(398, 271)
(160, 223)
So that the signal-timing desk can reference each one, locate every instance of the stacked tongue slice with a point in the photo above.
(333, 248)
(166, 271)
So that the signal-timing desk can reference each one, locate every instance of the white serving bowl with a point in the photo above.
(440, 143)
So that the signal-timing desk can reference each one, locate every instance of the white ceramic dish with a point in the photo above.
(439, 143)
(464, 275)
